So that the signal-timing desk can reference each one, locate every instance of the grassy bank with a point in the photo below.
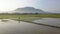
(28, 17)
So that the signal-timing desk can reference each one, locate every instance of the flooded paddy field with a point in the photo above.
(8, 26)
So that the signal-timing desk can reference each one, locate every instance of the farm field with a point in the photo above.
(28, 17)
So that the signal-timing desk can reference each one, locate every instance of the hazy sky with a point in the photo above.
(46, 5)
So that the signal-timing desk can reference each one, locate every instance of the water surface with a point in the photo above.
(49, 21)
(14, 27)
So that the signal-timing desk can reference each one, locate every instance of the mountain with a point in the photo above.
(28, 10)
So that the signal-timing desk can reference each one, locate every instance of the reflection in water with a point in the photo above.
(8, 20)
(49, 21)
(4, 20)
(13, 27)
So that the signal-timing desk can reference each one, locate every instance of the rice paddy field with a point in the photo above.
(47, 21)
(28, 17)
